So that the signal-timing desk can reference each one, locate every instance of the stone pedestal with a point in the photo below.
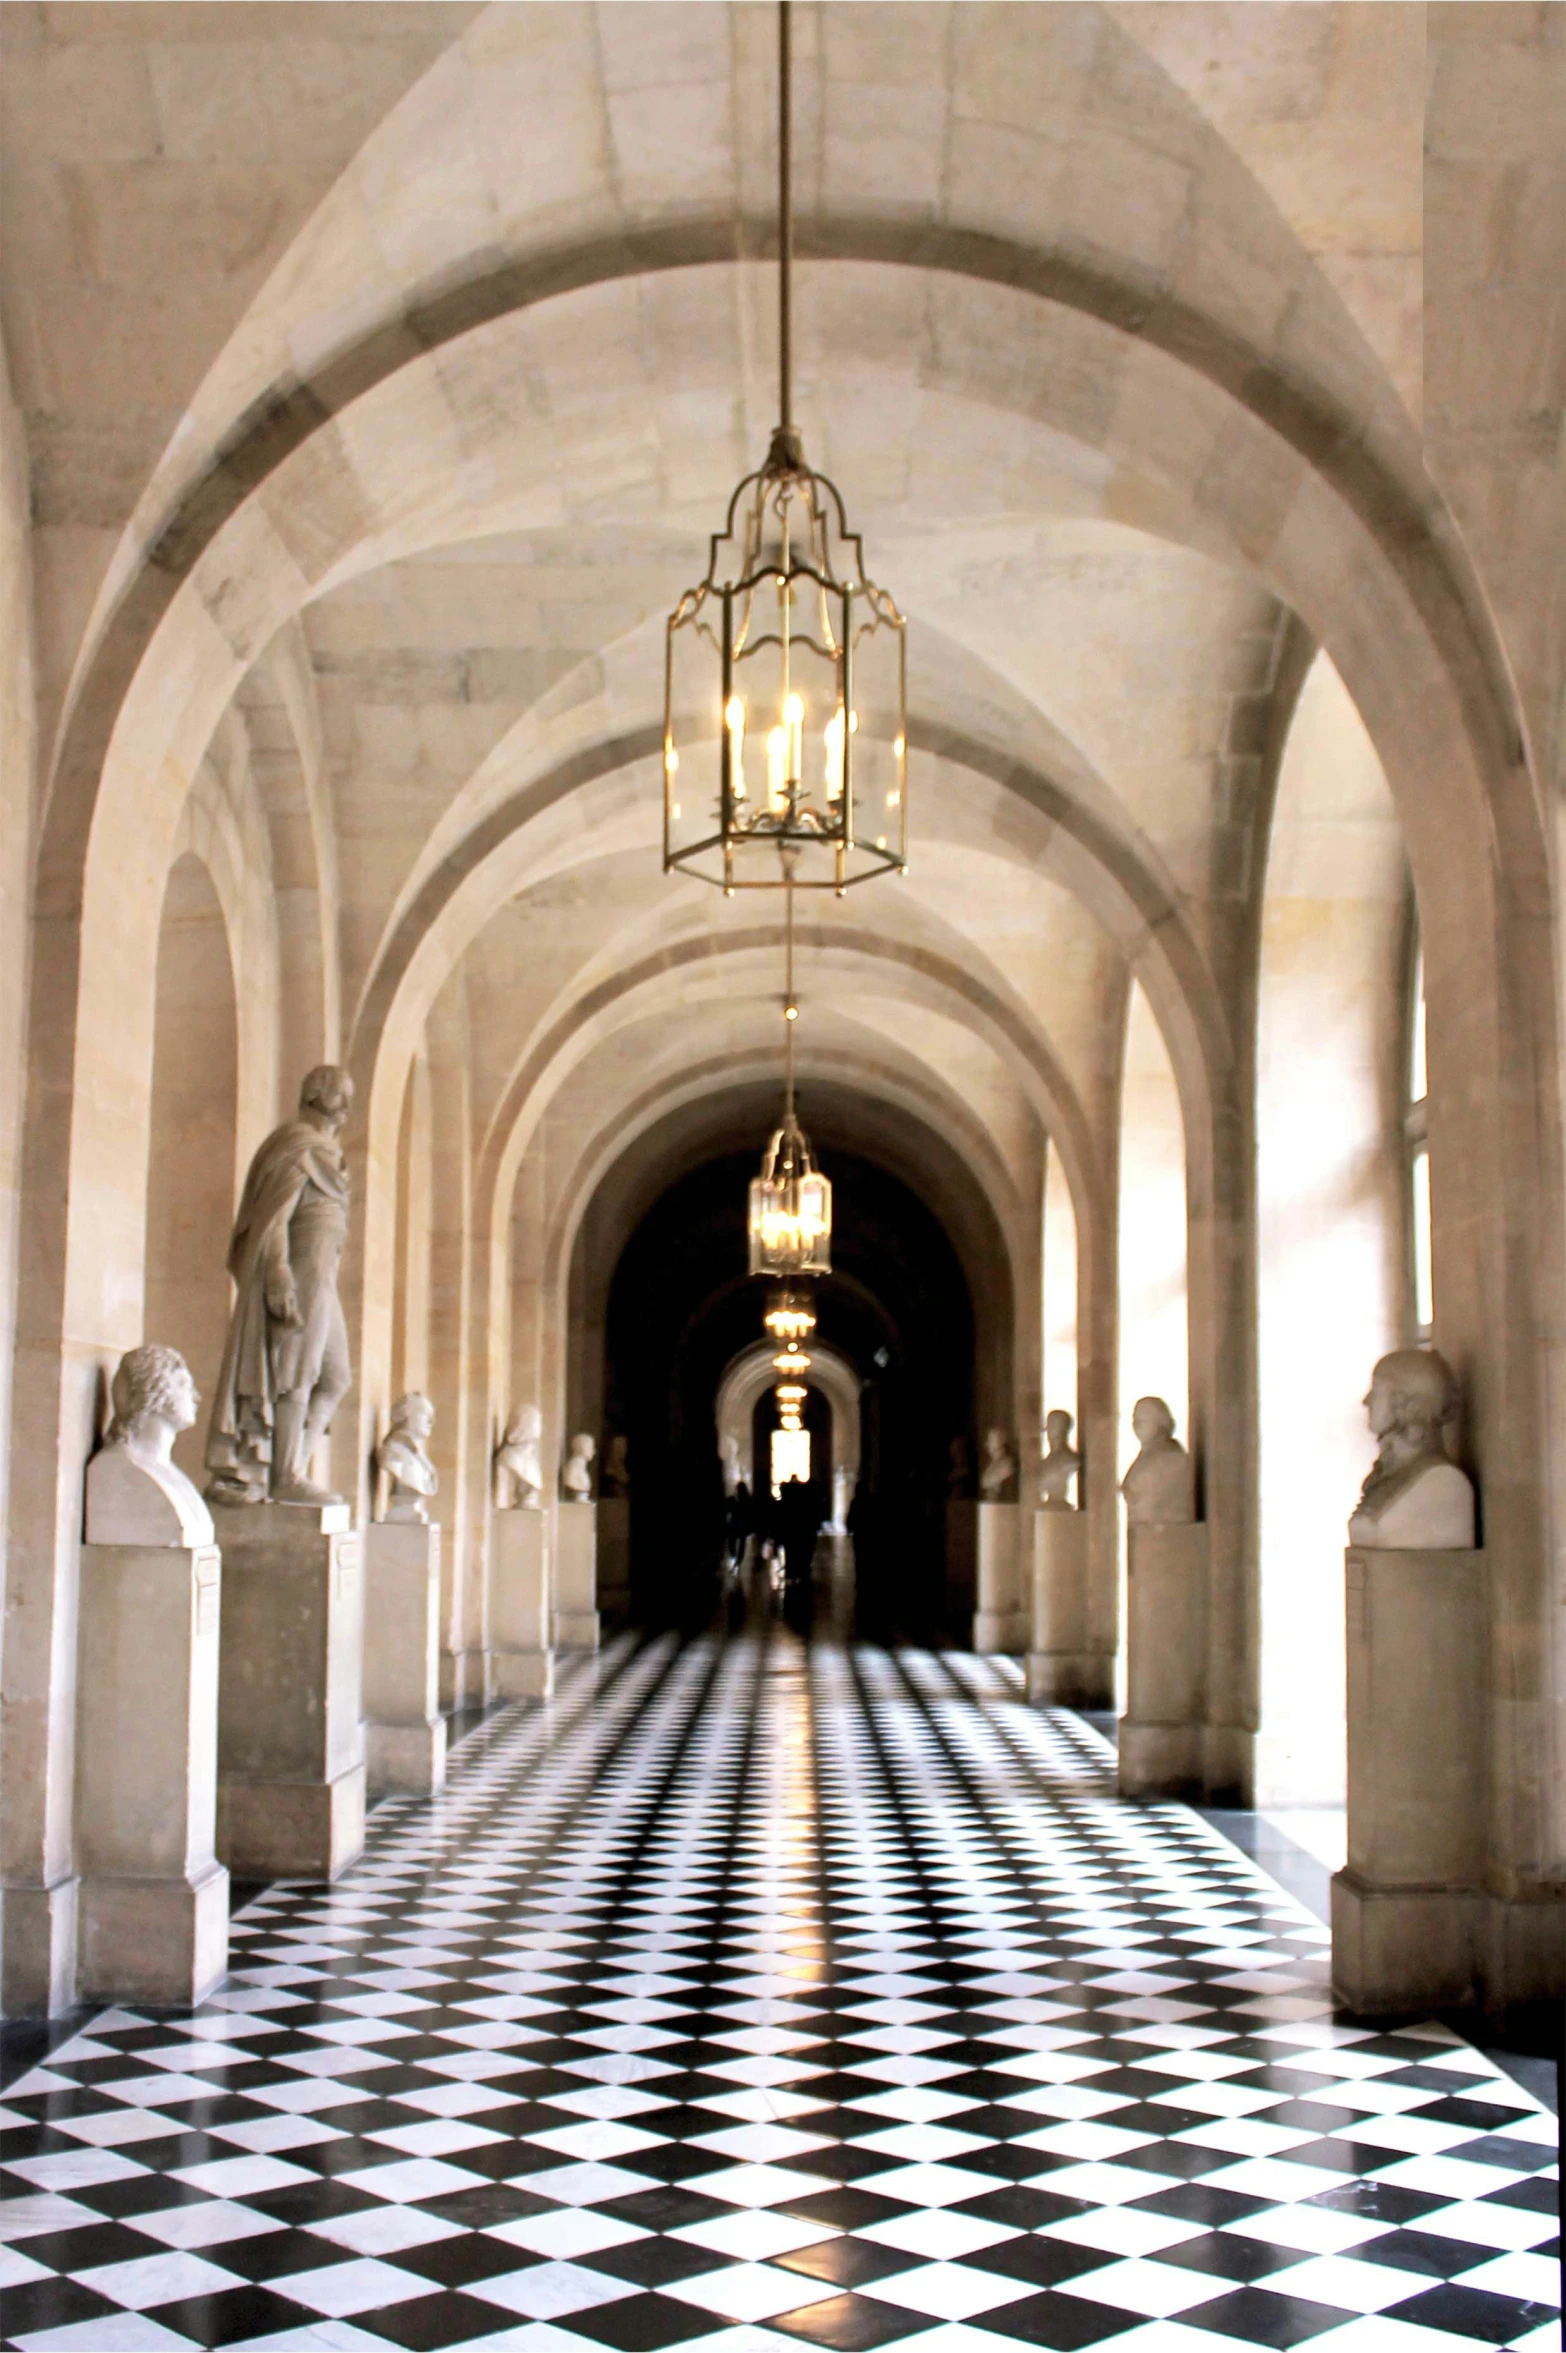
(576, 1577)
(1162, 1733)
(614, 1553)
(290, 1740)
(1406, 1907)
(522, 1664)
(1003, 1615)
(962, 1560)
(153, 1901)
(1062, 1672)
(404, 1730)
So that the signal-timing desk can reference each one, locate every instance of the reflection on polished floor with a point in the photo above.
(788, 1993)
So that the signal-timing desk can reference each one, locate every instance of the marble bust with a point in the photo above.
(615, 1477)
(1160, 1486)
(1415, 1499)
(410, 1476)
(135, 1493)
(518, 1467)
(285, 1366)
(577, 1478)
(998, 1471)
(1060, 1465)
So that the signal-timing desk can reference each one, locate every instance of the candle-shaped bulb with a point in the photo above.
(777, 769)
(794, 721)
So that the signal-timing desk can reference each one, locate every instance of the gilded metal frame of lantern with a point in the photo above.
(820, 827)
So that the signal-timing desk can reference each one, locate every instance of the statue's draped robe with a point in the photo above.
(295, 1156)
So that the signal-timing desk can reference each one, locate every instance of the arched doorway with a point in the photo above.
(897, 1311)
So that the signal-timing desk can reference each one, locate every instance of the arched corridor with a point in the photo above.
(828, 1992)
(1002, 1356)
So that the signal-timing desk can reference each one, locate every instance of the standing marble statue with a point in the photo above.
(135, 1493)
(998, 1471)
(1060, 1465)
(403, 1462)
(577, 1478)
(285, 1368)
(1160, 1486)
(519, 1469)
(1415, 1499)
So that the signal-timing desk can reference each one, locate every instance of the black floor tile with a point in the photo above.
(1473, 2312)
(1265, 2316)
(847, 2262)
(849, 2323)
(425, 2323)
(231, 2315)
(654, 2262)
(1061, 2321)
(643, 2324)
(848, 2208)
(1043, 2263)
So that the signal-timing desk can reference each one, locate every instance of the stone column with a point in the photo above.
(153, 1917)
(521, 1660)
(1062, 1672)
(1001, 1621)
(1405, 1909)
(1163, 1731)
(614, 1552)
(290, 1739)
(404, 1730)
(576, 1577)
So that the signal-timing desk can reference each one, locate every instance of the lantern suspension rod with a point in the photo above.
(785, 222)
(790, 1008)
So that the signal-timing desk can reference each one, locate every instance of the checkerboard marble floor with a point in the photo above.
(770, 1996)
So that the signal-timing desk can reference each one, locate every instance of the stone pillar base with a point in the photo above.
(1408, 1911)
(576, 1629)
(292, 1829)
(405, 1760)
(574, 1625)
(290, 1739)
(465, 1680)
(153, 1919)
(38, 1947)
(1163, 1747)
(153, 1940)
(614, 1553)
(1401, 1949)
(1062, 1671)
(1160, 1760)
(521, 1664)
(1001, 1621)
(405, 1733)
(1070, 1678)
(522, 1674)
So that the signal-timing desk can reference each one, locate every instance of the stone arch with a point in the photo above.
(195, 1106)
(1330, 991)
(753, 1371)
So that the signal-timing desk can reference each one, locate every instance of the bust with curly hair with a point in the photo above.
(136, 1494)
(1415, 1499)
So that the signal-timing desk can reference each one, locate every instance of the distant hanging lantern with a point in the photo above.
(790, 1318)
(785, 738)
(790, 1221)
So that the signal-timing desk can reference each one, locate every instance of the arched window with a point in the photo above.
(1417, 1146)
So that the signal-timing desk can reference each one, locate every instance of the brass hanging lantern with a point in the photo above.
(790, 1318)
(789, 1221)
(785, 739)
